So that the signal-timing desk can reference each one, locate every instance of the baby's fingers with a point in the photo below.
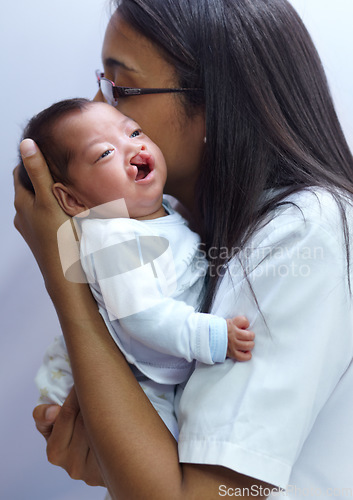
(240, 341)
(243, 335)
(240, 322)
(235, 346)
(234, 331)
(242, 356)
(244, 345)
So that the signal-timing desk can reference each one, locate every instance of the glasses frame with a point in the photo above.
(118, 91)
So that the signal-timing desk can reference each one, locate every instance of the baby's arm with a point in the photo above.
(240, 340)
(136, 298)
(175, 328)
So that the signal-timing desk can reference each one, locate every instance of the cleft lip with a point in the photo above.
(144, 164)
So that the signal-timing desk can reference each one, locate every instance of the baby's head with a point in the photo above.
(42, 128)
(97, 155)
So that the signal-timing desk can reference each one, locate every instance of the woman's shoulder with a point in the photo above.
(303, 223)
(314, 210)
(306, 233)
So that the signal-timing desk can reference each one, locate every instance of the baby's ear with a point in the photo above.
(67, 199)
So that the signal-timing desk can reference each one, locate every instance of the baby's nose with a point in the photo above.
(135, 146)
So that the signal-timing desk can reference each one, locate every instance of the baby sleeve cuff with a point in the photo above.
(218, 335)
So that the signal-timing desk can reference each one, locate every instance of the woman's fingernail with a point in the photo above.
(51, 413)
(28, 148)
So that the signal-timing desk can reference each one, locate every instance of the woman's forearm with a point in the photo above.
(137, 455)
(135, 450)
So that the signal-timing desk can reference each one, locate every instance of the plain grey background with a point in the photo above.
(49, 51)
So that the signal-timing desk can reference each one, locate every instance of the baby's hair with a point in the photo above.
(41, 128)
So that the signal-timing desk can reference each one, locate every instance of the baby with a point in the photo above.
(143, 263)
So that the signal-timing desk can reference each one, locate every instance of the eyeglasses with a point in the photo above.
(112, 92)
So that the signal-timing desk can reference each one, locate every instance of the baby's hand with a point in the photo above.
(240, 340)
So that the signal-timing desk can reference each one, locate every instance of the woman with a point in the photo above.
(270, 192)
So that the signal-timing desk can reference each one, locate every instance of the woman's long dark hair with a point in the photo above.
(270, 118)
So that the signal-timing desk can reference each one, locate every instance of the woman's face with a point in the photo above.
(130, 60)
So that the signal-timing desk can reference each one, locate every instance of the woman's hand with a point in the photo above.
(67, 441)
(38, 216)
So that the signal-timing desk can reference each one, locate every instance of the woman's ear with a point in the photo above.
(67, 199)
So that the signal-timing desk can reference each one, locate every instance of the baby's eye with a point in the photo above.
(106, 153)
(136, 133)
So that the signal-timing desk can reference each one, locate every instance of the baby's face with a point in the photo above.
(113, 159)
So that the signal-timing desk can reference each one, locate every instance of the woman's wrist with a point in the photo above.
(72, 301)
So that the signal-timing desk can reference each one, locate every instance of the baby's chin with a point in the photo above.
(155, 213)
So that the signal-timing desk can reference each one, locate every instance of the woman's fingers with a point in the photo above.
(63, 431)
(81, 463)
(23, 197)
(37, 169)
(67, 442)
(93, 472)
(38, 216)
(45, 416)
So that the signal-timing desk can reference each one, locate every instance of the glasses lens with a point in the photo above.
(107, 91)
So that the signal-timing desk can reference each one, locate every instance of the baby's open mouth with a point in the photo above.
(142, 171)
(144, 164)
